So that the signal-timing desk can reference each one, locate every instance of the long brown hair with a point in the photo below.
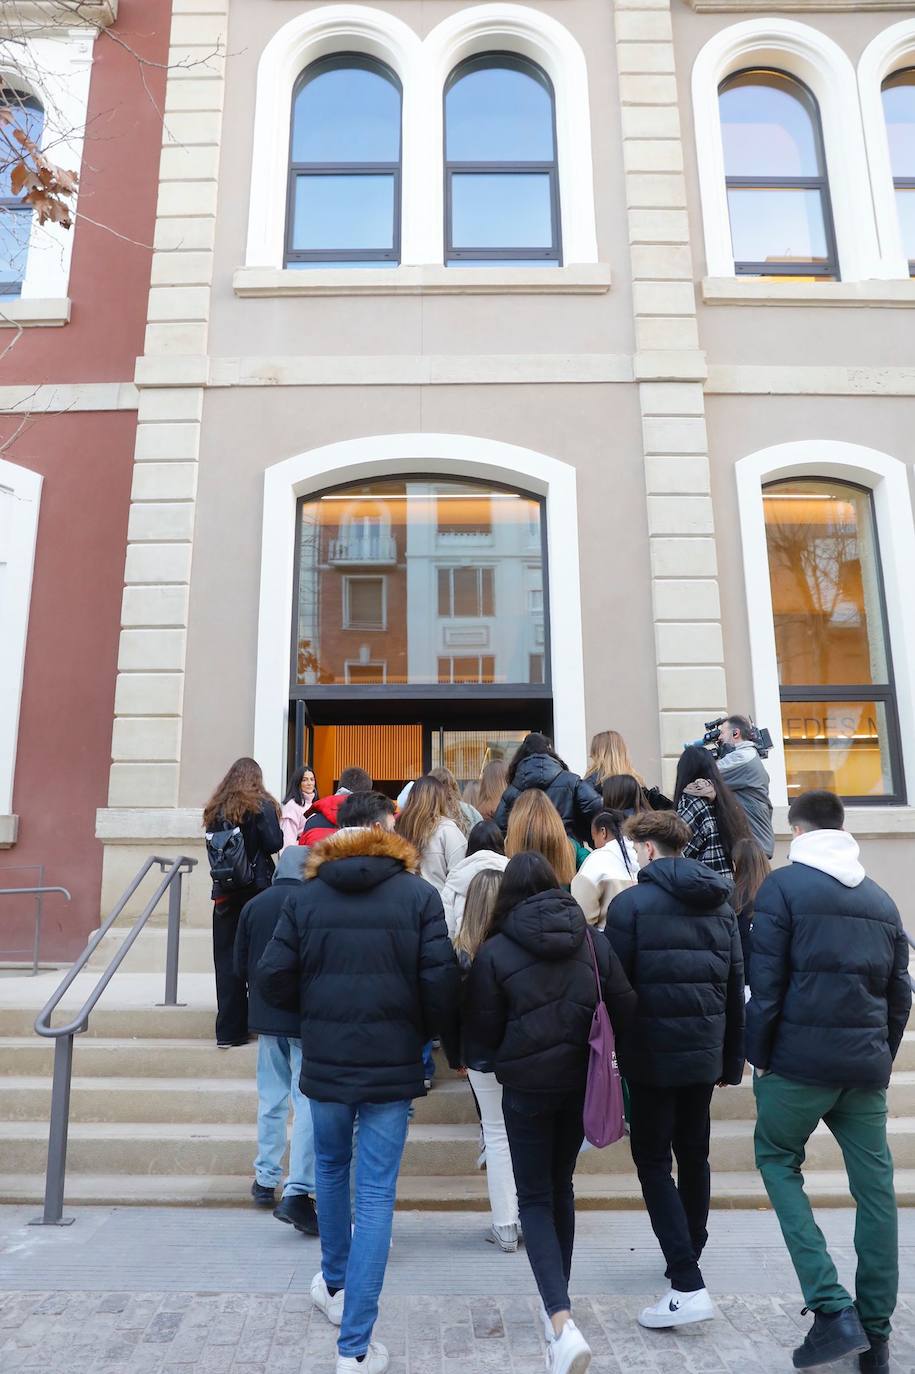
(623, 792)
(534, 825)
(493, 782)
(476, 923)
(609, 756)
(425, 807)
(241, 793)
(449, 782)
(751, 869)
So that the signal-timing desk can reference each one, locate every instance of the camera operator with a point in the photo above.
(744, 771)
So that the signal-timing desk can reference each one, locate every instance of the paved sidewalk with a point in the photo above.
(168, 1291)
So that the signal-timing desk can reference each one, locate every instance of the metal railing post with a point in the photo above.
(57, 1137)
(171, 947)
(39, 907)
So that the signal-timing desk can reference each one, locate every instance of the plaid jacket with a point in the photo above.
(706, 843)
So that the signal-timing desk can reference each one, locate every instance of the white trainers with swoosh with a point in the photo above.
(678, 1309)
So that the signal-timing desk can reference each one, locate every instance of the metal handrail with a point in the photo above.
(39, 893)
(63, 1036)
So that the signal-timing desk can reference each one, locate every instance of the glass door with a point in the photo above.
(466, 752)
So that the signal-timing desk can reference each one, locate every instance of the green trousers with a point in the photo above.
(787, 1112)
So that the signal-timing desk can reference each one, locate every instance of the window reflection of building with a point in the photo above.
(439, 581)
(838, 704)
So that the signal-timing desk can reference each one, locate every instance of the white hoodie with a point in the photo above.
(602, 876)
(454, 893)
(831, 851)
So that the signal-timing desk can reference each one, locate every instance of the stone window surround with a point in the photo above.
(891, 50)
(442, 455)
(817, 60)
(56, 67)
(886, 477)
(25, 487)
(422, 66)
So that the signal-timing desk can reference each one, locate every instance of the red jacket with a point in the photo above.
(322, 823)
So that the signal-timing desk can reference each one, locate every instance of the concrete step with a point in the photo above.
(113, 1058)
(215, 1149)
(147, 955)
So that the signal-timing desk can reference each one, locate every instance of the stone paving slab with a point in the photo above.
(169, 1291)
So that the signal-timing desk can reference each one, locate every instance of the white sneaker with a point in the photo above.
(678, 1309)
(332, 1307)
(569, 1352)
(506, 1237)
(375, 1362)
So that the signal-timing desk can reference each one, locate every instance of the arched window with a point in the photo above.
(775, 168)
(343, 205)
(899, 111)
(22, 114)
(839, 718)
(501, 178)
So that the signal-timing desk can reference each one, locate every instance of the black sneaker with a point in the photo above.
(877, 1359)
(263, 1197)
(298, 1211)
(832, 1336)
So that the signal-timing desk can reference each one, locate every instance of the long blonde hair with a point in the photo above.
(476, 923)
(535, 825)
(241, 793)
(426, 806)
(449, 782)
(610, 756)
(493, 782)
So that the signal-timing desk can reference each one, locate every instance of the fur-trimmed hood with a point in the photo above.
(360, 858)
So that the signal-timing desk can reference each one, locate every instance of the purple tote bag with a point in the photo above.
(603, 1113)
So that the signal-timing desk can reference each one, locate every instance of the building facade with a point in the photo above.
(86, 83)
(519, 366)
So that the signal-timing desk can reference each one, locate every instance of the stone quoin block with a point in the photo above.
(155, 605)
(155, 563)
(685, 598)
(179, 303)
(167, 442)
(647, 90)
(662, 262)
(664, 298)
(658, 226)
(180, 162)
(185, 234)
(149, 694)
(647, 121)
(681, 475)
(645, 58)
(143, 784)
(684, 688)
(680, 515)
(150, 738)
(672, 398)
(158, 520)
(652, 155)
(186, 198)
(674, 434)
(658, 332)
(151, 650)
(164, 482)
(689, 643)
(643, 26)
(171, 403)
(679, 557)
(185, 338)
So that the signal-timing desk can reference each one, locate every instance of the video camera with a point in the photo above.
(760, 739)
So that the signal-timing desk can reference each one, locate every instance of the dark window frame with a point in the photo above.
(473, 696)
(901, 183)
(291, 256)
(452, 255)
(830, 269)
(14, 205)
(881, 693)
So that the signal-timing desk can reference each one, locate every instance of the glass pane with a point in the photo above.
(15, 229)
(390, 754)
(499, 114)
(899, 109)
(466, 752)
(769, 125)
(29, 118)
(905, 204)
(366, 602)
(347, 114)
(777, 226)
(390, 529)
(343, 212)
(501, 210)
(503, 262)
(825, 584)
(839, 745)
(463, 513)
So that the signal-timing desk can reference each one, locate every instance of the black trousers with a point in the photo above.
(545, 1132)
(666, 1120)
(231, 993)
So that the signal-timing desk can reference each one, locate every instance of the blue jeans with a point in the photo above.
(279, 1063)
(356, 1261)
(428, 1061)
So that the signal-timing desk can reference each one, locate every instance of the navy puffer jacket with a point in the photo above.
(576, 800)
(362, 949)
(829, 980)
(678, 943)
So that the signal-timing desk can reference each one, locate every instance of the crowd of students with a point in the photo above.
(495, 921)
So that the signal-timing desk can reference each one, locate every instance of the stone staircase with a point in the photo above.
(158, 1114)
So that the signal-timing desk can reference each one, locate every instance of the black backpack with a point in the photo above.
(230, 866)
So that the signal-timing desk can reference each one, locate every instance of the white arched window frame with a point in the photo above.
(890, 51)
(56, 71)
(422, 66)
(887, 479)
(817, 61)
(20, 494)
(438, 455)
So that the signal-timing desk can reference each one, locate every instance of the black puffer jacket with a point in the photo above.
(363, 950)
(263, 838)
(574, 799)
(829, 980)
(678, 943)
(255, 931)
(531, 994)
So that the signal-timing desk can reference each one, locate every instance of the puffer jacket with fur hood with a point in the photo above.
(363, 951)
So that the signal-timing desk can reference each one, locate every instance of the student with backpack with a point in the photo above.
(242, 824)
